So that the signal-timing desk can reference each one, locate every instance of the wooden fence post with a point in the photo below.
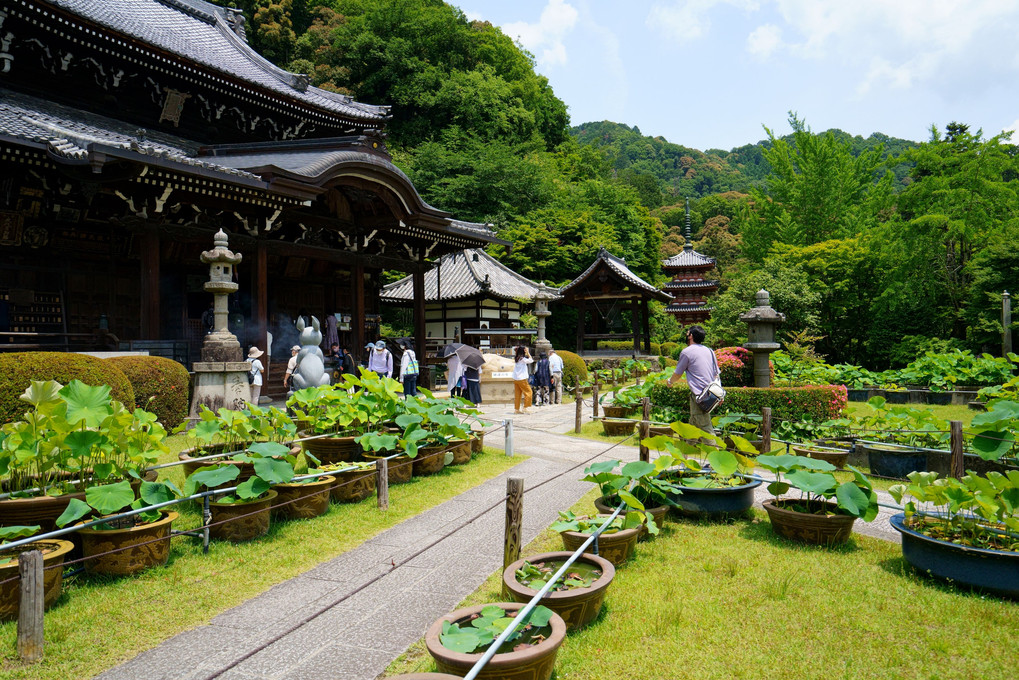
(514, 520)
(645, 429)
(594, 398)
(615, 386)
(958, 465)
(579, 397)
(766, 430)
(382, 482)
(30, 613)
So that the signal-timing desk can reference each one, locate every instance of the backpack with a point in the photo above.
(251, 373)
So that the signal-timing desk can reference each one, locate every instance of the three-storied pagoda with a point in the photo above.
(132, 130)
(689, 286)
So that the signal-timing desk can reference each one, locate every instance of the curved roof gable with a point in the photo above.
(212, 36)
(618, 266)
(462, 276)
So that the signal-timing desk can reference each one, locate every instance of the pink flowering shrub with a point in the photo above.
(736, 365)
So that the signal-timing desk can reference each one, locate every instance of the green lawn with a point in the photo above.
(963, 413)
(731, 600)
(99, 622)
(593, 430)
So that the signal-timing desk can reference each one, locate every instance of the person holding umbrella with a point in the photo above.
(521, 388)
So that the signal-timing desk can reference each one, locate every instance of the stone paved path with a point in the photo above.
(326, 623)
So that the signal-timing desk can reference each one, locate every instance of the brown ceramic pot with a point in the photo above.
(54, 552)
(533, 663)
(246, 469)
(242, 521)
(353, 486)
(658, 430)
(617, 428)
(461, 449)
(329, 450)
(134, 552)
(616, 411)
(400, 469)
(477, 442)
(297, 500)
(658, 513)
(808, 527)
(430, 459)
(41, 510)
(577, 606)
(836, 458)
(617, 547)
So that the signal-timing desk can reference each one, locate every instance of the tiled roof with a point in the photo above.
(617, 265)
(203, 33)
(70, 134)
(462, 277)
(688, 285)
(688, 258)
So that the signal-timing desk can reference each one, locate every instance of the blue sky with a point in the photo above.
(710, 73)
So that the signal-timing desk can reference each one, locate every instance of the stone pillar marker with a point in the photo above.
(1006, 323)
(221, 376)
(761, 321)
(541, 300)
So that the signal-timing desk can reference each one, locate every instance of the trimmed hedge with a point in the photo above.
(627, 345)
(160, 386)
(19, 369)
(574, 368)
(818, 402)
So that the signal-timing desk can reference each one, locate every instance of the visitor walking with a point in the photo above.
(521, 390)
(701, 368)
(291, 367)
(256, 371)
(348, 365)
(472, 377)
(454, 375)
(555, 364)
(409, 370)
(541, 381)
(381, 360)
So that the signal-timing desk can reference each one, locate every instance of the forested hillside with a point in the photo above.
(879, 247)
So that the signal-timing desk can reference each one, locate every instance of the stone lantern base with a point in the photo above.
(221, 384)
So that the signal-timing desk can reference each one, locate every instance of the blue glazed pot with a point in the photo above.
(716, 502)
(995, 571)
(895, 463)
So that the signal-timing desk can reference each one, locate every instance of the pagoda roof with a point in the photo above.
(466, 274)
(695, 284)
(616, 265)
(202, 33)
(688, 257)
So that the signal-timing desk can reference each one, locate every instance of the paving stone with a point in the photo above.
(265, 609)
(177, 657)
(340, 662)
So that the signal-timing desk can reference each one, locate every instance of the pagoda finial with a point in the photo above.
(689, 243)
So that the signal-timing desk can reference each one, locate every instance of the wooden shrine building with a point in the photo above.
(601, 294)
(132, 130)
(689, 287)
(469, 290)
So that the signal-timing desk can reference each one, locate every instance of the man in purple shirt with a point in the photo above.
(700, 366)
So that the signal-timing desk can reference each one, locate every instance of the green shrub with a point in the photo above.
(574, 370)
(671, 349)
(627, 346)
(160, 386)
(19, 369)
(817, 402)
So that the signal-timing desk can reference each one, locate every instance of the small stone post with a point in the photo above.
(766, 430)
(1006, 323)
(382, 483)
(594, 398)
(579, 402)
(30, 608)
(761, 321)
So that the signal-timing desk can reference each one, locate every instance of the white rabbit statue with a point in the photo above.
(310, 371)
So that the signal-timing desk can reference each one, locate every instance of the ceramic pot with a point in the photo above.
(133, 550)
(617, 428)
(353, 486)
(309, 499)
(714, 503)
(808, 527)
(461, 449)
(242, 521)
(54, 552)
(607, 507)
(400, 469)
(577, 606)
(430, 459)
(836, 458)
(617, 547)
(329, 450)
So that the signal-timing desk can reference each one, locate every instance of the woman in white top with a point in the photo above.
(409, 380)
(521, 387)
(256, 373)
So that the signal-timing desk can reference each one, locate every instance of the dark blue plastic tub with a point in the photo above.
(895, 463)
(717, 502)
(995, 571)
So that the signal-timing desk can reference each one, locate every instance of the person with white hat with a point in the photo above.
(291, 366)
(255, 373)
(381, 360)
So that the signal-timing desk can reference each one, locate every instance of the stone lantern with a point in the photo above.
(541, 300)
(221, 376)
(761, 321)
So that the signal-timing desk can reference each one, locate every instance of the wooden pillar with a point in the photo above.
(646, 322)
(419, 316)
(766, 430)
(514, 520)
(581, 312)
(149, 285)
(260, 287)
(31, 605)
(635, 320)
(645, 429)
(958, 461)
(357, 292)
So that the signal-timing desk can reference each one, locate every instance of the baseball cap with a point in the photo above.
(380, 345)
(295, 348)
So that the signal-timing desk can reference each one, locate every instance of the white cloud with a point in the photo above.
(689, 19)
(544, 38)
(764, 40)
(1013, 128)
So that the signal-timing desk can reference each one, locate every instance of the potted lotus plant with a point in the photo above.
(577, 596)
(74, 437)
(713, 481)
(616, 544)
(826, 509)
(54, 551)
(459, 639)
(110, 545)
(638, 484)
